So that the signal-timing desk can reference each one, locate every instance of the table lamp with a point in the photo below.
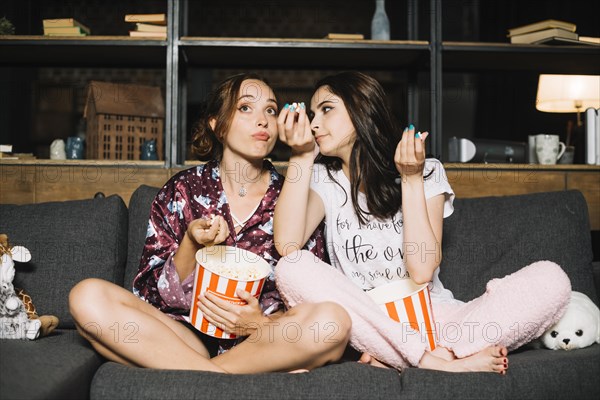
(568, 94)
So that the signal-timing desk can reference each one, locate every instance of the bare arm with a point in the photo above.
(423, 219)
(299, 210)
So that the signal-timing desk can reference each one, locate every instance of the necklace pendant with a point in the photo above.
(242, 192)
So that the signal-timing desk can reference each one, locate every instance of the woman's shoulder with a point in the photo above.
(433, 163)
(321, 173)
(187, 180)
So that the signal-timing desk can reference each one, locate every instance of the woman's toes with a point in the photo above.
(499, 351)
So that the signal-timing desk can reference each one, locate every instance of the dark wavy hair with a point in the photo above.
(220, 105)
(372, 164)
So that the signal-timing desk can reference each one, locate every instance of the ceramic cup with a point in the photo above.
(548, 149)
(569, 156)
(531, 156)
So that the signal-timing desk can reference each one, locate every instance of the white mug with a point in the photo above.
(548, 148)
(531, 156)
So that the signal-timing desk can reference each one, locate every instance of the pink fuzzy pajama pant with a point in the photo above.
(513, 310)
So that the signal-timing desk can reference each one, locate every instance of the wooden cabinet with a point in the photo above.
(479, 180)
(589, 184)
(37, 182)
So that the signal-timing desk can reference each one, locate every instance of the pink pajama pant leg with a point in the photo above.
(513, 311)
(303, 278)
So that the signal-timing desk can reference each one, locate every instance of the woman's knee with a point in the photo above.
(293, 267)
(329, 325)
(88, 296)
(552, 278)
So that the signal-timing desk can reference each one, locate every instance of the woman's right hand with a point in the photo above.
(205, 233)
(294, 130)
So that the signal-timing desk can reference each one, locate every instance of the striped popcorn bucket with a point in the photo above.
(222, 270)
(408, 303)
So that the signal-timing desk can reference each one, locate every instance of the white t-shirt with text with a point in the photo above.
(371, 254)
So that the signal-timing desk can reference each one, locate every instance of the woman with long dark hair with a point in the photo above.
(384, 205)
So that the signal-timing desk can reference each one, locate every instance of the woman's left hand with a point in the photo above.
(241, 320)
(410, 153)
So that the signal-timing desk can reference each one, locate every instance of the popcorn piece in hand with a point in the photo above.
(212, 220)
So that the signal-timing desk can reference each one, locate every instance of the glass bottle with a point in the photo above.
(380, 24)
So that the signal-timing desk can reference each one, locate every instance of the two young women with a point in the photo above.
(371, 190)
(229, 200)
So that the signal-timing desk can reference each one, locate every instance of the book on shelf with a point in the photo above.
(144, 27)
(65, 35)
(566, 41)
(592, 136)
(542, 25)
(345, 36)
(529, 38)
(65, 31)
(153, 18)
(154, 35)
(64, 23)
(590, 39)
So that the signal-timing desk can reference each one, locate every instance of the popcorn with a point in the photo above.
(237, 272)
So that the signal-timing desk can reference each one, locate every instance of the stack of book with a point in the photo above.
(550, 31)
(592, 136)
(5, 151)
(7, 154)
(65, 27)
(345, 36)
(148, 25)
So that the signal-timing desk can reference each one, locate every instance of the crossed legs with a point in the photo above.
(127, 330)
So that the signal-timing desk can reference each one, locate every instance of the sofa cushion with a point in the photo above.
(532, 374)
(340, 381)
(491, 237)
(69, 241)
(139, 214)
(60, 366)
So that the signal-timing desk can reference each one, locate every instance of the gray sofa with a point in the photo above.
(485, 238)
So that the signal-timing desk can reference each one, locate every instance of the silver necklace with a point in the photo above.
(243, 191)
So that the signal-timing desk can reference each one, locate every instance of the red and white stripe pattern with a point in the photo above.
(224, 288)
(415, 310)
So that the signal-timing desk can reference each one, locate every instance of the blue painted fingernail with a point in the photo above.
(411, 126)
(418, 135)
(302, 106)
(286, 106)
(405, 130)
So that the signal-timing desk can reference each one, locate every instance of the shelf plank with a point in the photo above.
(89, 51)
(474, 56)
(303, 53)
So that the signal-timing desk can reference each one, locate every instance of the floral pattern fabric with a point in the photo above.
(198, 193)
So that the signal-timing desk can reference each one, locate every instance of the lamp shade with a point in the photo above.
(567, 93)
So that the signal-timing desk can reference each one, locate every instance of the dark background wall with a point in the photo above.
(38, 105)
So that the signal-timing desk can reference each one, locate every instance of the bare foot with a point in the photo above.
(444, 353)
(366, 358)
(490, 359)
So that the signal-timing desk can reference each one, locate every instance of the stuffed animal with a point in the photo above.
(578, 328)
(18, 317)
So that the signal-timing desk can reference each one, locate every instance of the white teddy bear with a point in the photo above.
(14, 322)
(578, 328)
